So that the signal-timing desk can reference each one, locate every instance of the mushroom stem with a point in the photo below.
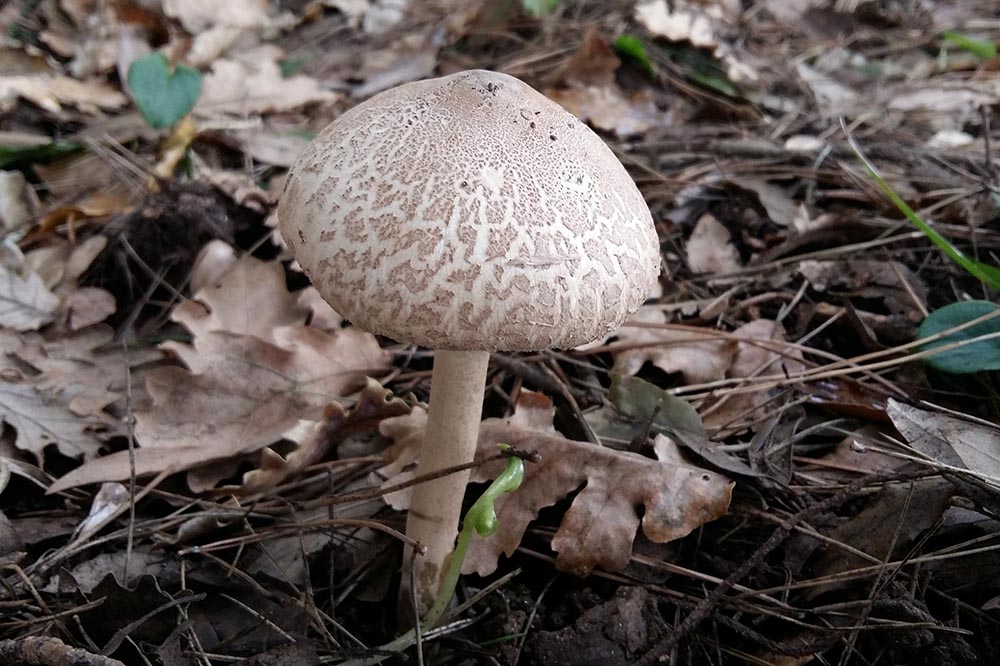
(457, 388)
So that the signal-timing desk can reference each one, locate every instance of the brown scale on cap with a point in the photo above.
(470, 212)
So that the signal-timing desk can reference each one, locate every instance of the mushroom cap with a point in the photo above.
(470, 212)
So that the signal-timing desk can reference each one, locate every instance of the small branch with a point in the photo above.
(44, 651)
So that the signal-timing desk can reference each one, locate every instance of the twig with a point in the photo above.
(45, 651)
(705, 607)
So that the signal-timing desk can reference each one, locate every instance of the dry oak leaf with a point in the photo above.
(256, 86)
(245, 296)
(241, 394)
(891, 281)
(271, 145)
(52, 92)
(700, 357)
(949, 439)
(710, 248)
(585, 85)
(199, 15)
(613, 488)
(26, 304)
(214, 261)
(40, 418)
(681, 24)
(760, 352)
(60, 266)
(19, 204)
(85, 370)
(609, 108)
(374, 404)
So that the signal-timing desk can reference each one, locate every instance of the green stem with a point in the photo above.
(481, 518)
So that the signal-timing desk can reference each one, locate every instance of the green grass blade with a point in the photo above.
(990, 275)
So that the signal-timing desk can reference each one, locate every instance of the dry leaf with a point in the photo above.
(214, 261)
(39, 417)
(85, 370)
(241, 394)
(199, 15)
(593, 64)
(699, 357)
(271, 146)
(26, 304)
(753, 360)
(87, 575)
(238, 186)
(614, 488)
(890, 281)
(950, 138)
(407, 59)
(958, 99)
(384, 15)
(92, 39)
(52, 92)
(250, 298)
(710, 248)
(315, 438)
(832, 97)
(92, 206)
(253, 372)
(599, 527)
(60, 265)
(323, 316)
(254, 85)
(855, 454)
(949, 439)
(89, 173)
(108, 501)
(88, 306)
(885, 529)
(219, 26)
(607, 108)
(676, 24)
(19, 204)
(586, 87)
(778, 204)
(804, 222)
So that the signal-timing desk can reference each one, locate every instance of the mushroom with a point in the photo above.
(467, 214)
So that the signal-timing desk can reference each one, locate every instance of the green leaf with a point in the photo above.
(633, 51)
(720, 84)
(701, 69)
(163, 96)
(290, 66)
(981, 48)
(641, 400)
(672, 416)
(973, 357)
(539, 8)
(14, 156)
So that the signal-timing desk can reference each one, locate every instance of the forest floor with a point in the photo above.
(195, 447)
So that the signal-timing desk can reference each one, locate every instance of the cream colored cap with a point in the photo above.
(470, 212)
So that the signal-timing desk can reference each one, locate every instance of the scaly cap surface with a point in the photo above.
(470, 212)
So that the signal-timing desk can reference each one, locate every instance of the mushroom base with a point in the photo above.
(456, 403)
